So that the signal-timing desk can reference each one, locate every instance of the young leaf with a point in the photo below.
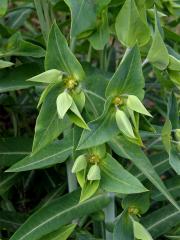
(174, 63)
(114, 178)
(124, 124)
(89, 189)
(17, 46)
(76, 117)
(51, 154)
(3, 7)
(123, 229)
(83, 16)
(102, 129)
(121, 147)
(166, 135)
(135, 104)
(79, 164)
(128, 76)
(63, 102)
(59, 56)
(130, 26)
(61, 234)
(48, 125)
(100, 37)
(94, 173)
(50, 76)
(140, 232)
(5, 64)
(57, 214)
(158, 54)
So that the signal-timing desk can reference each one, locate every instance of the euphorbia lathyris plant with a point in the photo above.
(93, 101)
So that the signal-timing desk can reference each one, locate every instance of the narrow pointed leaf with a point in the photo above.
(124, 124)
(76, 117)
(63, 102)
(158, 54)
(100, 37)
(114, 178)
(83, 16)
(128, 76)
(5, 64)
(140, 232)
(89, 189)
(174, 160)
(59, 56)
(174, 63)
(121, 147)
(61, 234)
(49, 76)
(57, 214)
(51, 154)
(130, 26)
(161, 221)
(101, 130)
(123, 229)
(135, 104)
(48, 125)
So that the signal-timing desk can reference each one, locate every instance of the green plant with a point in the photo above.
(104, 158)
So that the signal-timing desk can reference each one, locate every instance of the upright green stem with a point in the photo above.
(110, 215)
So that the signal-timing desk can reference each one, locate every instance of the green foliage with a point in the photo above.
(89, 119)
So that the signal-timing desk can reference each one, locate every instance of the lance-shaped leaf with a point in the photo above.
(161, 221)
(5, 64)
(63, 102)
(48, 125)
(173, 114)
(135, 104)
(7, 180)
(114, 178)
(52, 154)
(61, 234)
(57, 214)
(121, 147)
(124, 124)
(174, 63)
(3, 7)
(140, 232)
(158, 53)
(89, 189)
(17, 46)
(128, 78)
(101, 129)
(174, 159)
(75, 116)
(94, 173)
(59, 56)
(123, 228)
(83, 16)
(50, 76)
(14, 79)
(100, 37)
(79, 164)
(130, 26)
(166, 135)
